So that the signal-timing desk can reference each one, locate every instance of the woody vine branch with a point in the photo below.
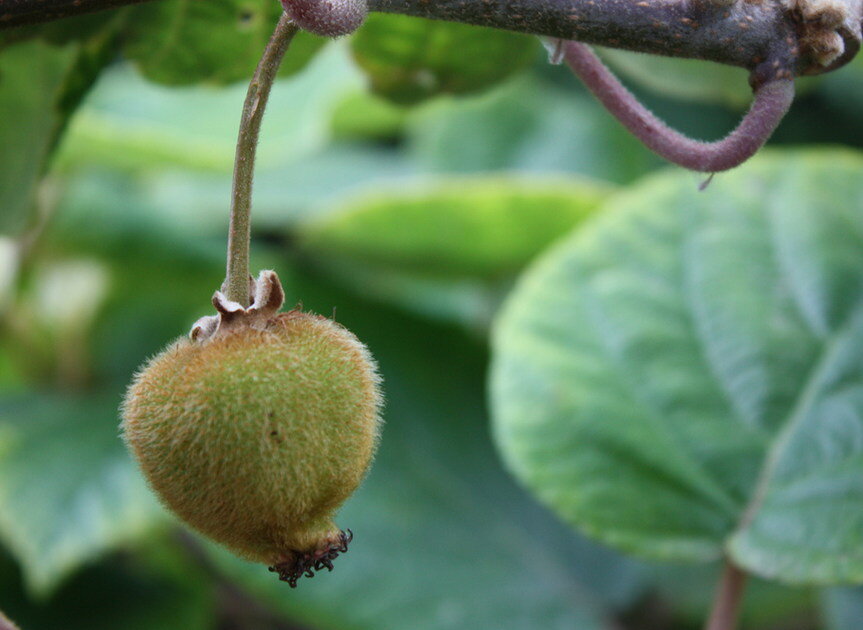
(772, 38)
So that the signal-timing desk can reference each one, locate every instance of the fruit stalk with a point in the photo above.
(239, 233)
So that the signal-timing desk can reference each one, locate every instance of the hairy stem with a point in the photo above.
(772, 101)
(239, 233)
(726, 603)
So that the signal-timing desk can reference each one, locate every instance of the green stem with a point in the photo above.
(239, 233)
(729, 595)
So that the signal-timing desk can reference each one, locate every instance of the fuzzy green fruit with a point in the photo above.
(257, 429)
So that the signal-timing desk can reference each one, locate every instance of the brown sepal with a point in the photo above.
(267, 297)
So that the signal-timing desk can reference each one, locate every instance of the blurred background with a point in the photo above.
(406, 177)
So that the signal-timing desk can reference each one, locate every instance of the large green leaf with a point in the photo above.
(410, 59)
(442, 538)
(463, 227)
(683, 376)
(180, 42)
(68, 489)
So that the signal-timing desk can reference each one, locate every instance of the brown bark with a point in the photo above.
(795, 36)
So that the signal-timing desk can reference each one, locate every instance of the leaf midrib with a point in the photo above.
(797, 415)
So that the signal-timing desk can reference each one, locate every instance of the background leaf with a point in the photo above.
(181, 42)
(365, 116)
(66, 31)
(527, 125)
(670, 405)
(61, 507)
(843, 608)
(133, 124)
(689, 79)
(448, 249)
(118, 593)
(468, 227)
(411, 59)
(32, 79)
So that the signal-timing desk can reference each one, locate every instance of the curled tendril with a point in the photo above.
(771, 102)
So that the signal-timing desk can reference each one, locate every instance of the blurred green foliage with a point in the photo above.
(411, 223)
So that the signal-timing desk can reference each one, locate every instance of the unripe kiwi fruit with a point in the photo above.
(257, 428)
(330, 18)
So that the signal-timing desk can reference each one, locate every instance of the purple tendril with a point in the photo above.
(770, 104)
